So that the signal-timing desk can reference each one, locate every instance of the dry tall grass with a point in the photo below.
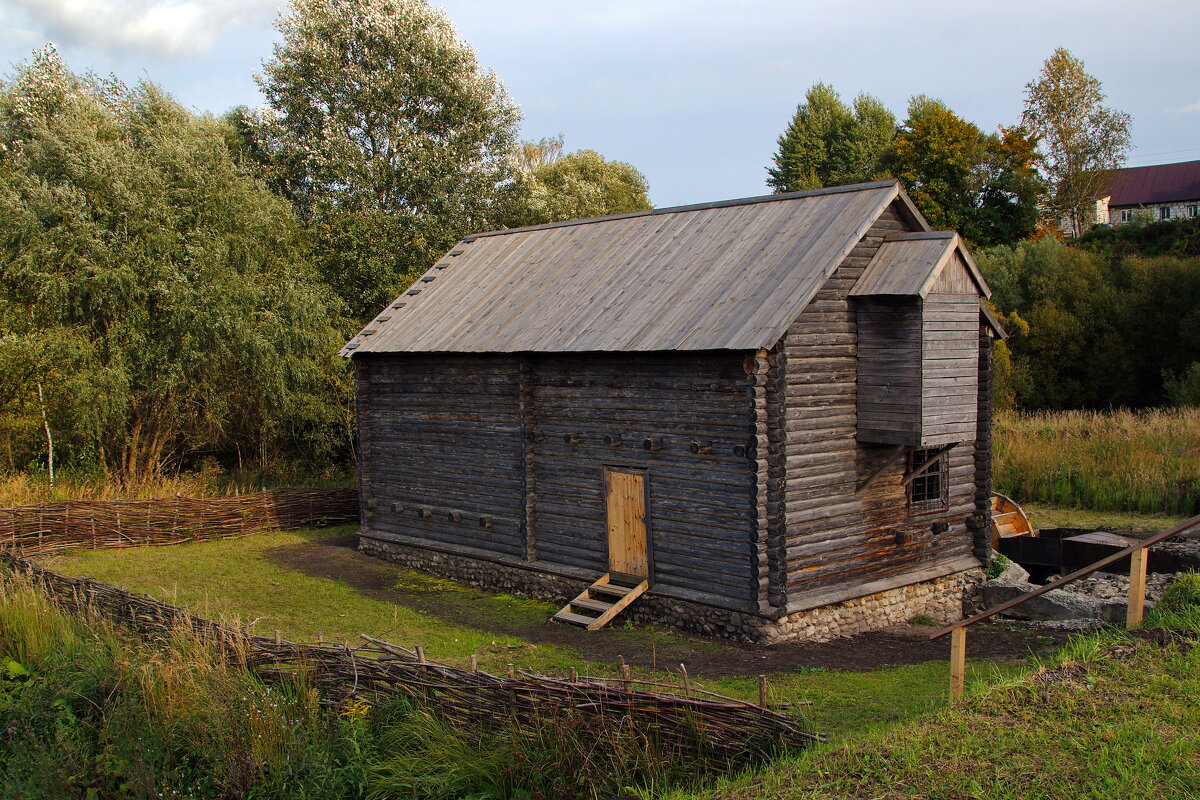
(1147, 462)
(31, 488)
(25, 489)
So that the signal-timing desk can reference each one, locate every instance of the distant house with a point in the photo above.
(1165, 191)
(764, 418)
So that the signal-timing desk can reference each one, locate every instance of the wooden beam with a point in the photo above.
(1161, 536)
(1137, 588)
(891, 459)
(958, 664)
(919, 471)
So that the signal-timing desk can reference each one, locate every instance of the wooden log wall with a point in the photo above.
(685, 419)
(982, 533)
(835, 537)
(449, 442)
(889, 370)
(442, 449)
(950, 358)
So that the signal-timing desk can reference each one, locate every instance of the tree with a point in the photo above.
(1080, 139)
(154, 287)
(392, 139)
(936, 157)
(582, 184)
(983, 185)
(829, 144)
(1070, 342)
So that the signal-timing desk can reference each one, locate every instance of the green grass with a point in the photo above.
(1052, 516)
(235, 579)
(849, 704)
(1112, 717)
(90, 712)
(1146, 462)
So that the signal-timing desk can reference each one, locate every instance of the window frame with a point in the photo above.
(1164, 213)
(930, 489)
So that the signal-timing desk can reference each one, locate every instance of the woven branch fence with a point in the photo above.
(102, 524)
(712, 731)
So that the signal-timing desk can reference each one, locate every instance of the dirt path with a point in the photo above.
(338, 559)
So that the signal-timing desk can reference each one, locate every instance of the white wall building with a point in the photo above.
(1166, 191)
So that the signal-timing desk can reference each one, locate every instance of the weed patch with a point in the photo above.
(1143, 462)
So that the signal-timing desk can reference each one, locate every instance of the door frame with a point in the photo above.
(646, 474)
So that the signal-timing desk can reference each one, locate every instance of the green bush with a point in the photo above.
(1181, 594)
(996, 568)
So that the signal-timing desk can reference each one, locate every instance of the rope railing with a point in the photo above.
(1136, 605)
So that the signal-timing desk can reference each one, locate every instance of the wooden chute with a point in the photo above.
(1008, 520)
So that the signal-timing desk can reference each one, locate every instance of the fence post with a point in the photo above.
(1136, 603)
(958, 663)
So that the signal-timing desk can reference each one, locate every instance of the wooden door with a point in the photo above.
(626, 496)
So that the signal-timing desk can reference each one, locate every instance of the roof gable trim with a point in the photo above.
(652, 212)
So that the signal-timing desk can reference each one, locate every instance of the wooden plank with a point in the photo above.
(1183, 527)
(626, 502)
(1136, 603)
(958, 664)
(619, 606)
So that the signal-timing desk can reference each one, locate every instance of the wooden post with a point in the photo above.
(512, 671)
(278, 637)
(420, 654)
(762, 690)
(1137, 588)
(574, 675)
(653, 655)
(474, 663)
(958, 663)
(687, 686)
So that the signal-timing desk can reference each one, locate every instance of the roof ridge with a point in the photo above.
(650, 212)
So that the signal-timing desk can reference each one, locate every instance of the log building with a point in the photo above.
(774, 413)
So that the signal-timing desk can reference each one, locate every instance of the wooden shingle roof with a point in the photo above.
(908, 264)
(729, 275)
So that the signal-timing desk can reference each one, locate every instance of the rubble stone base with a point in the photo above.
(940, 599)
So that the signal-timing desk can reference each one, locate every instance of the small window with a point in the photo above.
(1194, 211)
(1164, 212)
(1126, 214)
(930, 487)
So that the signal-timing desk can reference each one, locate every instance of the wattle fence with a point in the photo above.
(103, 524)
(711, 731)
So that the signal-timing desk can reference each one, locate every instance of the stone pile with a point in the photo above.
(1100, 597)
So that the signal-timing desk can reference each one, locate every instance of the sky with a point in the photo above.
(694, 93)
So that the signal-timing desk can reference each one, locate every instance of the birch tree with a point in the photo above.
(1080, 139)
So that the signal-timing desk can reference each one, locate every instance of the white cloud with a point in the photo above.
(169, 27)
(1188, 109)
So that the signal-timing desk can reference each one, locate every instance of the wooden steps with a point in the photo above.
(598, 604)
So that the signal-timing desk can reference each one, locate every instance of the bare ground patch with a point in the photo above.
(458, 604)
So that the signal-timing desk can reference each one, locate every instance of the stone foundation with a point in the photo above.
(940, 599)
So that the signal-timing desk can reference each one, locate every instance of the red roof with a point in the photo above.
(1160, 183)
